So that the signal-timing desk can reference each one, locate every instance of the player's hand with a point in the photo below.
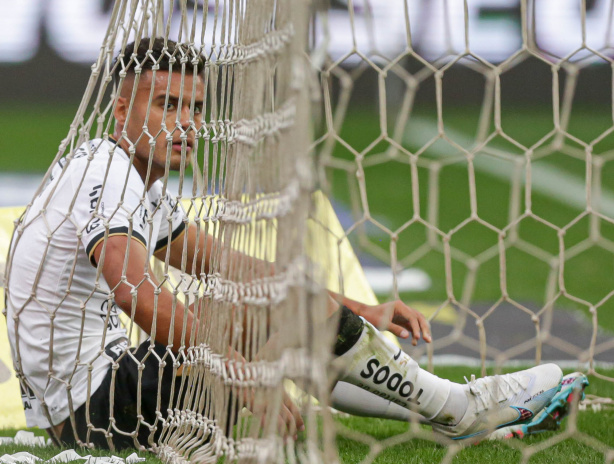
(399, 319)
(289, 419)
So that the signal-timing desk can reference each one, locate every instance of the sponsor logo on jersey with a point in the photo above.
(94, 197)
(109, 314)
(142, 215)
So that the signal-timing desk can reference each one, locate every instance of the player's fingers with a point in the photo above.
(403, 314)
(414, 321)
(402, 320)
(398, 330)
(296, 414)
(289, 423)
(415, 328)
(285, 425)
(426, 329)
(281, 426)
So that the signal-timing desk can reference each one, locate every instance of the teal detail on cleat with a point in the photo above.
(549, 418)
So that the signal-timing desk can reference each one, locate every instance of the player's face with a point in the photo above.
(166, 119)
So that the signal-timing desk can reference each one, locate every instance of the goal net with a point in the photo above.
(471, 185)
(236, 307)
(467, 145)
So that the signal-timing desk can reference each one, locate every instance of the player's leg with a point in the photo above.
(95, 412)
(349, 398)
(158, 380)
(368, 360)
(151, 389)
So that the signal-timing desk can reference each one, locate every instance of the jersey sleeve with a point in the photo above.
(172, 221)
(110, 204)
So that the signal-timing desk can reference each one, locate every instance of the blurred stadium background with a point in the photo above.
(47, 47)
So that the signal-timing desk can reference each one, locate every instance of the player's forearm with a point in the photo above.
(202, 248)
(159, 313)
(336, 300)
(199, 246)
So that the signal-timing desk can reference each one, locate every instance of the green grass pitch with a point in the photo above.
(597, 425)
(24, 152)
(588, 276)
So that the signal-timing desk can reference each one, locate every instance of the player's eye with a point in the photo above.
(198, 109)
(170, 107)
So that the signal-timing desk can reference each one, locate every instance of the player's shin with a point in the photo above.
(376, 365)
(351, 399)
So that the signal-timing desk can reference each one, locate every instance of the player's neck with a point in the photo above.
(147, 173)
(142, 167)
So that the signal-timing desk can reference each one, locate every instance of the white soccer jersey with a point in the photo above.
(61, 320)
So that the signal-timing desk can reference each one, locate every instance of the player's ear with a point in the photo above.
(121, 110)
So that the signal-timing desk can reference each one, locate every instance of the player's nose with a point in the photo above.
(184, 119)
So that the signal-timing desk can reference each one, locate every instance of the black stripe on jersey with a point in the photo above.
(91, 246)
(162, 243)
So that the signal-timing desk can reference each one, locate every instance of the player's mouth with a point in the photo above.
(177, 146)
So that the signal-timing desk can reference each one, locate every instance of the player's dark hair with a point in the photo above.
(149, 53)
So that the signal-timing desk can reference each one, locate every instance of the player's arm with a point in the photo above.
(199, 248)
(166, 325)
(125, 267)
(396, 316)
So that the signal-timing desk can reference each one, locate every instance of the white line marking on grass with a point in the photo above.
(555, 183)
(408, 280)
(459, 360)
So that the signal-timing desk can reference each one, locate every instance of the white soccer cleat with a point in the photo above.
(502, 400)
(550, 418)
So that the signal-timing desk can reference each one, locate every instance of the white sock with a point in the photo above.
(378, 366)
(349, 398)
(455, 407)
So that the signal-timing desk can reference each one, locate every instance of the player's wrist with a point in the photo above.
(360, 309)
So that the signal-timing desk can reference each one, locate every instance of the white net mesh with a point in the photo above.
(468, 153)
(501, 213)
(461, 170)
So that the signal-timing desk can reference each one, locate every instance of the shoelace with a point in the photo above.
(490, 391)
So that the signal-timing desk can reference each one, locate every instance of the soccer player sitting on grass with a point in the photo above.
(108, 215)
